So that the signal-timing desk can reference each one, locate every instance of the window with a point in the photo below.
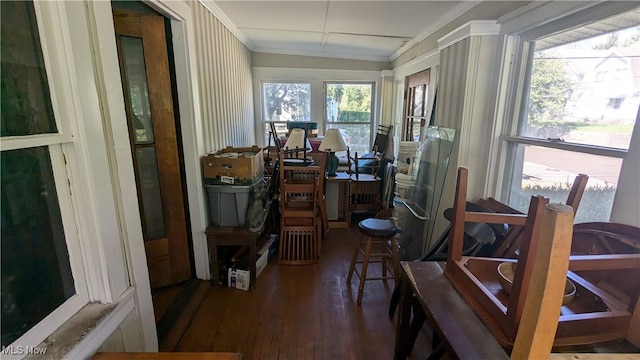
(349, 107)
(415, 106)
(39, 275)
(284, 102)
(578, 118)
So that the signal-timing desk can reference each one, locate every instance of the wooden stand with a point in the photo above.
(231, 236)
(337, 194)
(593, 316)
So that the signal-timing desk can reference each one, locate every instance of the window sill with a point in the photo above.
(81, 335)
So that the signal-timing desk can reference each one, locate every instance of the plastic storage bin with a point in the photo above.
(228, 203)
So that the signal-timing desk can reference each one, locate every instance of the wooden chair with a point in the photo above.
(321, 162)
(300, 219)
(382, 138)
(513, 240)
(364, 189)
(594, 315)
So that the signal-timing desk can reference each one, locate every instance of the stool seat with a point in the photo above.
(378, 228)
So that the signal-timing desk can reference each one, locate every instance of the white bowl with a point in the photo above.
(506, 271)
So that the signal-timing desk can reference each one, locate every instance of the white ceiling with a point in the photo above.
(365, 30)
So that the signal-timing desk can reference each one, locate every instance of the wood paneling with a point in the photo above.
(226, 89)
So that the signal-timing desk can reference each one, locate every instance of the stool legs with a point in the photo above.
(395, 260)
(366, 257)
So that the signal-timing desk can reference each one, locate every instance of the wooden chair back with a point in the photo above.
(513, 240)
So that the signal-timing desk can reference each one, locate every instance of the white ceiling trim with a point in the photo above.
(318, 54)
(425, 61)
(472, 28)
(217, 12)
(444, 20)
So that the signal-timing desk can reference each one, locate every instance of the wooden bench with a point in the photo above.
(462, 332)
(167, 356)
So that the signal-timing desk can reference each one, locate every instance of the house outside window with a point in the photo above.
(43, 283)
(577, 118)
(349, 107)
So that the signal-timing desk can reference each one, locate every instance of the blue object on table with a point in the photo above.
(302, 125)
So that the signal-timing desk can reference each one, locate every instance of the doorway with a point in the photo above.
(415, 105)
(149, 102)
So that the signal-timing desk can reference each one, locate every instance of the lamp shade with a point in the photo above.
(296, 140)
(333, 141)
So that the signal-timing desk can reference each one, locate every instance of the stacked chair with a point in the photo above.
(301, 217)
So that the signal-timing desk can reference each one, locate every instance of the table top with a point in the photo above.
(340, 176)
(452, 317)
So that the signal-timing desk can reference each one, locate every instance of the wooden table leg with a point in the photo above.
(404, 320)
(213, 261)
(252, 259)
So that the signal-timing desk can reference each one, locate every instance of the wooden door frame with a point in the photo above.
(422, 78)
(168, 255)
(184, 45)
(121, 164)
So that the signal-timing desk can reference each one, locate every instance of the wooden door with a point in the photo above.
(415, 105)
(144, 68)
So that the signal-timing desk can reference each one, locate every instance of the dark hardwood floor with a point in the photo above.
(298, 312)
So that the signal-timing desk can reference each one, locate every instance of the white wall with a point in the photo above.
(626, 204)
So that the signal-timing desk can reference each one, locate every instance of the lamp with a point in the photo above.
(295, 144)
(297, 140)
(331, 143)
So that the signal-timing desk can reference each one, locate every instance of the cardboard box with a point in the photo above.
(239, 279)
(264, 254)
(234, 166)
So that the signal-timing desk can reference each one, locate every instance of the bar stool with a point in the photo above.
(379, 233)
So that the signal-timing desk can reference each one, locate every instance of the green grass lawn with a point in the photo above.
(607, 128)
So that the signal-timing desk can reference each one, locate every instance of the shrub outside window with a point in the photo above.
(349, 107)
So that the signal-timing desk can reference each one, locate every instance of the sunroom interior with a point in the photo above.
(534, 93)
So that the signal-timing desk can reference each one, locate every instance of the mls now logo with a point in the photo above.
(23, 350)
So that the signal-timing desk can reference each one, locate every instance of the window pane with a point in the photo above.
(150, 192)
(418, 101)
(26, 106)
(355, 136)
(349, 102)
(348, 108)
(138, 90)
(586, 92)
(550, 172)
(286, 101)
(281, 132)
(36, 275)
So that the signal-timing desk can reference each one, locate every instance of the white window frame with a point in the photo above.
(521, 30)
(326, 122)
(51, 21)
(316, 77)
(289, 81)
